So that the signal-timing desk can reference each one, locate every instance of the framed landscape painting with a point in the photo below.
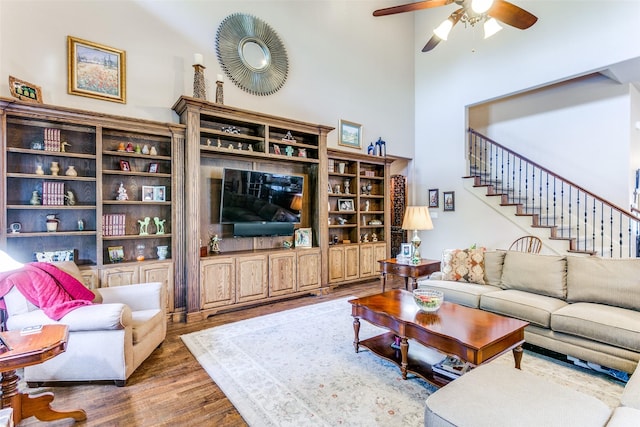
(350, 134)
(96, 71)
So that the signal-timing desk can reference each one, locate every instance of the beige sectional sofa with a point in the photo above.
(584, 307)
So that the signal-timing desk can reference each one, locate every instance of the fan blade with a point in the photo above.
(411, 7)
(511, 14)
(434, 40)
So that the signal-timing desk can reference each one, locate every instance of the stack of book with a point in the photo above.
(113, 224)
(52, 193)
(451, 367)
(51, 139)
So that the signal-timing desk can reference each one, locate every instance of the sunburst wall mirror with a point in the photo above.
(251, 54)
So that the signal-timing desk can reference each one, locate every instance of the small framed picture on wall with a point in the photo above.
(449, 201)
(434, 198)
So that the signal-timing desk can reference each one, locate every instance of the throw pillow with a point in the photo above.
(463, 265)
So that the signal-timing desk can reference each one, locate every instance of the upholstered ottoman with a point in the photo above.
(495, 395)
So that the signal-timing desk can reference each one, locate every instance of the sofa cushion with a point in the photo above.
(495, 395)
(533, 308)
(607, 281)
(611, 325)
(467, 294)
(463, 265)
(631, 394)
(493, 261)
(540, 274)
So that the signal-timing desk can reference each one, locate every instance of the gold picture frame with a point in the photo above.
(25, 91)
(350, 134)
(96, 71)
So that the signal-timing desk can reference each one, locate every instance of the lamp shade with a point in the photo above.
(7, 263)
(296, 202)
(417, 218)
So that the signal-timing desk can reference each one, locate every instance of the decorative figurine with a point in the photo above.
(371, 149)
(219, 143)
(122, 193)
(230, 147)
(342, 221)
(35, 198)
(129, 148)
(366, 206)
(302, 152)
(63, 146)
(145, 149)
(250, 147)
(71, 171)
(276, 149)
(153, 151)
(39, 170)
(289, 137)
(69, 198)
(214, 244)
(144, 224)
(208, 142)
(239, 145)
(121, 146)
(289, 150)
(346, 186)
(138, 149)
(159, 225)
(374, 237)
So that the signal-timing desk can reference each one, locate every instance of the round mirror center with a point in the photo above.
(254, 54)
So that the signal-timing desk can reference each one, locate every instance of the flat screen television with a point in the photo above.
(260, 203)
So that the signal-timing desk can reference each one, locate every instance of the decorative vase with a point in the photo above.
(71, 171)
(55, 168)
(341, 167)
(39, 170)
(162, 252)
(52, 223)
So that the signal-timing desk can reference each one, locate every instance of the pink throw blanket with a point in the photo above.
(47, 287)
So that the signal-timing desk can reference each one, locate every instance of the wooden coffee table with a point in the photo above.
(27, 350)
(474, 335)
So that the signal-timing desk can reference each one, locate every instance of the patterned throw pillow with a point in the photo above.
(463, 265)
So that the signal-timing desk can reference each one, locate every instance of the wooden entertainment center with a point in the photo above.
(184, 164)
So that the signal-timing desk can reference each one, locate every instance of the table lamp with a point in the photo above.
(416, 218)
(7, 263)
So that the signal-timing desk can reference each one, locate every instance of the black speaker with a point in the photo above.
(250, 229)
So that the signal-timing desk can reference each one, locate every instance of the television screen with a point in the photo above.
(254, 196)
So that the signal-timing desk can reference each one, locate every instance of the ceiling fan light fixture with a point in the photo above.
(443, 29)
(481, 6)
(491, 27)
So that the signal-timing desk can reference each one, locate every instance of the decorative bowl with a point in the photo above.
(428, 300)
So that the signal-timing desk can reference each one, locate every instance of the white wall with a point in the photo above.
(571, 38)
(344, 63)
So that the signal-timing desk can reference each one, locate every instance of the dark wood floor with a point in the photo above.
(170, 388)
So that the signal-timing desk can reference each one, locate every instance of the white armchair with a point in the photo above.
(107, 341)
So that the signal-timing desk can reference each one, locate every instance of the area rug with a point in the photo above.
(299, 368)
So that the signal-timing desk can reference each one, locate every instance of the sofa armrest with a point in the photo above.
(631, 394)
(143, 296)
(438, 275)
(96, 317)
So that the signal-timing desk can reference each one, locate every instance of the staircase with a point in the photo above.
(573, 217)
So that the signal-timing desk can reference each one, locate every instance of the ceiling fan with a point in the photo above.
(472, 12)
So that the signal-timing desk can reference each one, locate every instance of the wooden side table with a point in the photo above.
(27, 350)
(413, 271)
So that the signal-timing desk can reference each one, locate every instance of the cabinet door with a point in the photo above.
(366, 260)
(217, 282)
(379, 253)
(160, 272)
(251, 279)
(351, 261)
(309, 273)
(118, 276)
(282, 273)
(336, 264)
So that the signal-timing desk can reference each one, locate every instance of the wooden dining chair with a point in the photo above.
(531, 244)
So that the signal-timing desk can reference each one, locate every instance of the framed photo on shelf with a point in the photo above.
(434, 198)
(96, 71)
(24, 90)
(147, 193)
(302, 238)
(125, 166)
(350, 134)
(345, 205)
(449, 201)
(116, 253)
(153, 167)
(159, 194)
